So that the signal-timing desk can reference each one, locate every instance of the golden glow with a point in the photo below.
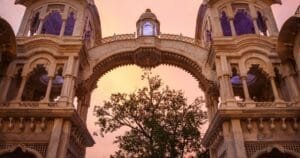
(127, 79)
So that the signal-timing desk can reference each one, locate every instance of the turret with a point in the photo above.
(148, 24)
(61, 18)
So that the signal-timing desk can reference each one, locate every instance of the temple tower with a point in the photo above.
(254, 85)
(38, 116)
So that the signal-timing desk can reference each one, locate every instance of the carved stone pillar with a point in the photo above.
(39, 30)
(48, 91)
(5, 84)
(256, 30)
(294, 88)
(232, 26)
(65, 138)
(63, 27)
(245, 88)
(53, 147)
(238, 139)
(21, 89)
(68, 81)
(275, 90)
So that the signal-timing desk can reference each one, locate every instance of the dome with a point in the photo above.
(148, 24)
(148, 15)
(7, 39)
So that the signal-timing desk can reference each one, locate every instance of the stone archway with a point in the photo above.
(20, 151)
(146, 52)
(275, 151)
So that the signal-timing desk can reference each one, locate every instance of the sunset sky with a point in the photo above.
(120, 16)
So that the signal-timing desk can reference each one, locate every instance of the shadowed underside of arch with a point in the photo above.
(148, 58)
(287, 37)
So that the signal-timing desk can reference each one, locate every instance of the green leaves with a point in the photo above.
(161, 122)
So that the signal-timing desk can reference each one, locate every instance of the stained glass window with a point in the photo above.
(35, 24)
(148, 29)
(243, 23)
(52, 24)
(261, 24)
(225, 25)
(70, 23)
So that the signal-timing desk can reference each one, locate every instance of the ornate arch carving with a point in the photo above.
(149, 57)
(44, 59)
(249, 59)
(278, 147)
(23, 148)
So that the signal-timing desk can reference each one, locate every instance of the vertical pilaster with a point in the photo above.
(21, 89)
(5, 84)
(65, 139)
(68, 79)
(275, 90)
(54, 142)
(238, 138)
(232, 26)
(228, 139)
(63, 27)
(48, 91)
(245, 88)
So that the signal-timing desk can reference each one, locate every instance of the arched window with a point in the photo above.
(243, 23)
(275, 153)
(35, 24)
(225, 25)
(52, 24)
(36, 85)
(70, 23)
(261, 24)
(148, 29)
(18, 153)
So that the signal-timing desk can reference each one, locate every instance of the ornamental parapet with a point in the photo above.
(41, 120)
(37, 104)
(122, 37)
(266, 104)
(254, 122)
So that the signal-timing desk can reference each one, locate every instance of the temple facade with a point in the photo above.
(248, 69)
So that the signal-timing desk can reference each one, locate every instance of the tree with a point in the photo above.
(161, 123)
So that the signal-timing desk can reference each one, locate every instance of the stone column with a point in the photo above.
(68, 77)
(55, 138)
(5, 84)
(232, 26)
(21, 89)
(226, 73)
(65, 139)
(253, 14)
(256, 30)
(229, 90)
(228, 142)
(293, 88)
(209, 107)
(48, 91)
(238, 139)
(39, 31)
(63, 27)
(245, 88)
(290, 81)
(274, 89)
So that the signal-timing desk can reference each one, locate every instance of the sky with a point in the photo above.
(120, 16)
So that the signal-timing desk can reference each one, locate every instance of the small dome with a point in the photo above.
(148, 15)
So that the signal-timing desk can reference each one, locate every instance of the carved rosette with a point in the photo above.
(147, 57)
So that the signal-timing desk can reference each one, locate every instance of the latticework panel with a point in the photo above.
(40, 147)
(253, 147)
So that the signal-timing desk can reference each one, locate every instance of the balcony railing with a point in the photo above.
(161, 36)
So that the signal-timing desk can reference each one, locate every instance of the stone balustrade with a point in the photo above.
(265, 104)
(161, 36)
(28, 104)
